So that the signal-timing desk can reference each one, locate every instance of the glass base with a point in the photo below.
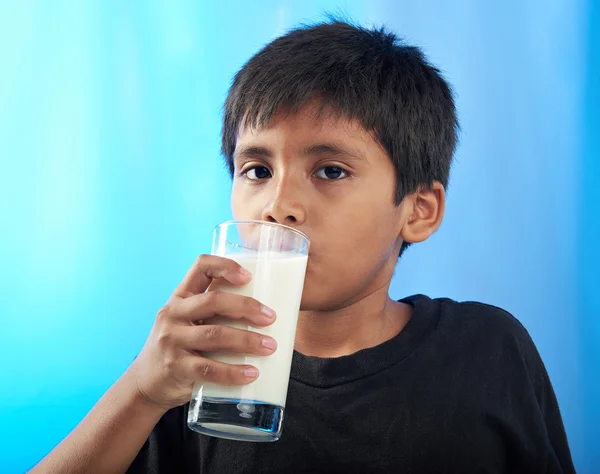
(240, 420)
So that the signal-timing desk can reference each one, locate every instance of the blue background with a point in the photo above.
(111, 182)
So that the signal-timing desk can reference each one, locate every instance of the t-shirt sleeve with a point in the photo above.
(525, 411)
(547, 403)
(538, 441)
(162, 451)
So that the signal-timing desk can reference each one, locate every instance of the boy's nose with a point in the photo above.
(285, 208)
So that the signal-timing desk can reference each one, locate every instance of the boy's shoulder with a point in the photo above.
(478, 312)
(491, 337)
(474, 319)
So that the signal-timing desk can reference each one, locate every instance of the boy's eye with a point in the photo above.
(331, 173)
(258, 172)
(327, 173)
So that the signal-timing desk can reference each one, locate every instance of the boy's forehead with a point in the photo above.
(313, 119)
(310, 131)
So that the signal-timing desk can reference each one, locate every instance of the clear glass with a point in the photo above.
(276, 256)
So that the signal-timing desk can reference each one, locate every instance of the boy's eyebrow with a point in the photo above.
(253, 152)
(331, 148)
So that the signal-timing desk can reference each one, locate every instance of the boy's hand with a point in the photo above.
(171, 359)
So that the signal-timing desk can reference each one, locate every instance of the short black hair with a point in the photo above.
(369, 75)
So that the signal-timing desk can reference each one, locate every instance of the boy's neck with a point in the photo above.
(366, 323)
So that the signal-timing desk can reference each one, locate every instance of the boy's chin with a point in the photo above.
(314, 298)
(310, 303)
(321, 301)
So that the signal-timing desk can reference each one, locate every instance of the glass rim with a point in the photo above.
(272, 224)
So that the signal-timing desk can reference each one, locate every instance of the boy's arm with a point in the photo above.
(557, 457)
(163, 374)
(554, 423)
(109, 437)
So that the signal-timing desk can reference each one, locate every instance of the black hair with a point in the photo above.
(369, 75)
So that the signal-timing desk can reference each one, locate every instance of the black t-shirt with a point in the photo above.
(461, 389)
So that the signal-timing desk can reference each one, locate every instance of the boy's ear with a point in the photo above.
(425, 213)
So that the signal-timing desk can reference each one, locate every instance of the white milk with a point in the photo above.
(277, 282)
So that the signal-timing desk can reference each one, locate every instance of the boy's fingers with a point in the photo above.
(222, 338)
(206, 370)
(217, 303)
(204, 270)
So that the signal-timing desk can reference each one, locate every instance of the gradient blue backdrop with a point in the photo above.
(111, 182)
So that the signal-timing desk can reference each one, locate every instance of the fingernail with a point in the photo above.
(268, 342)
(244, 272)
(268, 312)
(250, 372)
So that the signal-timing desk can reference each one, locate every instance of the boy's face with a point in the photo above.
(328, 178)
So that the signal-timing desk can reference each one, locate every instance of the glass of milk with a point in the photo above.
(276, 256)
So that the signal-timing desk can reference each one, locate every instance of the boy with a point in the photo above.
(347, 135)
